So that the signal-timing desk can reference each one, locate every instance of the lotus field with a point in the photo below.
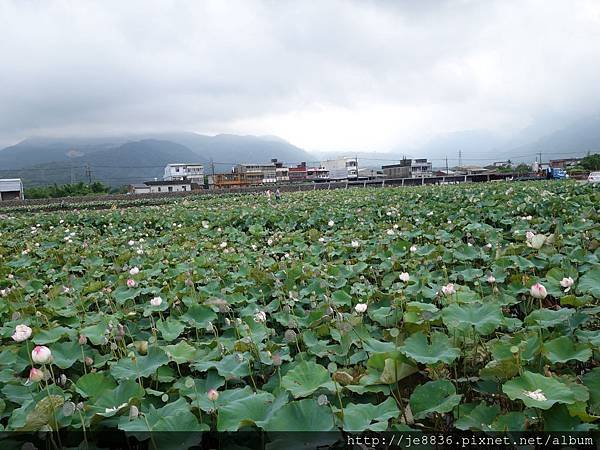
(471, 307)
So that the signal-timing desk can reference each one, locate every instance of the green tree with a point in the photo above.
(591, 162)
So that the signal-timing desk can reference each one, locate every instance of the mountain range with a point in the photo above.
(119, 160)
(122, 160)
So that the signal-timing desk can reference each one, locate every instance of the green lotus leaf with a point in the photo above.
(94, 385)
(301, 415)
(172, 417)
(485, 318)
(306, 378)
(538, 391)
(480, 418)
(360, 417)
(181, 352)
(563, 349)
(139, 366)
(440, 349)
(434, 396)
(547, 318)
(170, 328)
(589, 283)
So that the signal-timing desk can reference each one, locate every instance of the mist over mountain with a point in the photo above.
(127, 159)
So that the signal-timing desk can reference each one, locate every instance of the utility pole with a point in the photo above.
(460, 158)
(72, 179)
(446, 165)
(88, 173)
(212, 168)
(356, 162)
(540, 155)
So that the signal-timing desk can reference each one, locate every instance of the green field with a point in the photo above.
(381, 309)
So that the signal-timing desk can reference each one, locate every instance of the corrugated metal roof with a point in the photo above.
(10, 184)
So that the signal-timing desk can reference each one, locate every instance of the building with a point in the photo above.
(298, 173)
(370, 174)
(344, 168)
(161, 187)
(421, 168)
(11, 189)
(317, 173)
(470, 170)
(263, 173)
(409, 168)
(179, 172)
(229, 180)
(564, 163)
(400, 170)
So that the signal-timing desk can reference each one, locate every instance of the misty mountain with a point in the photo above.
(135, 158)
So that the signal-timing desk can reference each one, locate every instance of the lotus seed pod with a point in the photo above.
(289, 336)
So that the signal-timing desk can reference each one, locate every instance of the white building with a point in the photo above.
(178, 172)
(11, 189)
(421, 168)
(341, 168)
(160, 187)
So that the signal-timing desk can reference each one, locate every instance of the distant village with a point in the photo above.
(179, 177)
(182, 177)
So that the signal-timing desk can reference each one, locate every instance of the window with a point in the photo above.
(170, 188)
(159, 189)
(183, 187)
(176, 169)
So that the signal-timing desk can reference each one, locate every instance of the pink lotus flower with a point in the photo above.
(130, 282)
(538, 291)
(213, 395)
(41, 355)
(448, 289)
(36, 375)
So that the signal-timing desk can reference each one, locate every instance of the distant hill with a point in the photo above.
(135, 158)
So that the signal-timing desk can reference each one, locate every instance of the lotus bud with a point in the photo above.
(36, 375)
(538, 291)
(41, 355)
(213, 395)
(82, 339)
(88, 361)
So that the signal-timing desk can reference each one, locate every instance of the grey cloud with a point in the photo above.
(83, 67)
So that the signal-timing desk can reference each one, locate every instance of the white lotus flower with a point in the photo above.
(331, 223)
(131, 243)
(491, 279)
(413, 248)
(115, 408)
(156, 301)
(223, 244)
(567, 282)
(260, 317)
(529, 235)
(360, 308)
(390, 232)
(448, 289)
(22, 333)
(404, 276)
(536, 395)
(134, 271)
(355, 244)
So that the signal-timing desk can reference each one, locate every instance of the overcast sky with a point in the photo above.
(322, 74)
